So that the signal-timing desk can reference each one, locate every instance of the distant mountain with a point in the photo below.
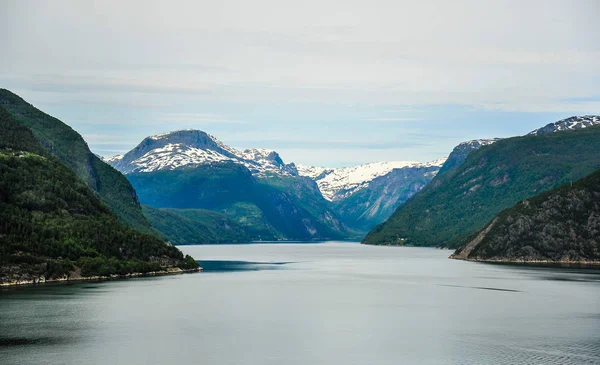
(53, 226)
(268, 209)
(339, 183)
(572, 123)
(60, 140)
(173, 150)
(368, 207)
(368, 194)
(462, 199)
(348, 200)
(562, 225)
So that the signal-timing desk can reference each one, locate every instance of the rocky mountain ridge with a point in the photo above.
(169, 151)
(571, 123)
(185, 148)
(338, 183)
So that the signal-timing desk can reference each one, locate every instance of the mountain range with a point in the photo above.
(170, 151)
(65, 210)
(250, 185)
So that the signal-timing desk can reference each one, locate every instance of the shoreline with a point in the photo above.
(71, 279)
(538, 263)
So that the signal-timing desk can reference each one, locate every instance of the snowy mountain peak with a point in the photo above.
(571, 123)
(172, 150)
(338, 183)
(192, 138)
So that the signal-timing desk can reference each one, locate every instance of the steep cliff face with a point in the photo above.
(562, 225)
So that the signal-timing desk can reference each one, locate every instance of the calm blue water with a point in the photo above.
(330, 303)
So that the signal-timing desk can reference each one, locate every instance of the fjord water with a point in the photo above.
(328, 303)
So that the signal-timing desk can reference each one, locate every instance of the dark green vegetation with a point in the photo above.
(264, 210)
(460, 153)
(372, 205)
(52, 224)
(192, 226)
(462, 200)
(60, 140)
(562, 225)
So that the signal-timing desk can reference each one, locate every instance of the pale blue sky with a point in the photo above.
(322, 82)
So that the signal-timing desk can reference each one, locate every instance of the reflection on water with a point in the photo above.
(224, 265)
(330, 303)
(481, 288)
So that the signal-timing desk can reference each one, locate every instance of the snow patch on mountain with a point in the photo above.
(338, 183)
(168, 151)
(571, 123)
(110, 159)
(314, 172)
(173, 150)
(476, 144)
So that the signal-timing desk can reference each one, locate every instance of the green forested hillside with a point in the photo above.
(193, 226)
(264, 210)
(51, 223)
(562, 225)
(460, 201)
(60, 140)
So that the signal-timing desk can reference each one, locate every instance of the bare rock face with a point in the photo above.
(562, 225)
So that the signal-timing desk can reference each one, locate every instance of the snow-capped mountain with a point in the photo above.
(575, 122)
(169, 151)
(339, 183)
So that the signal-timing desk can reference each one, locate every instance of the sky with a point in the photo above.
(327, 83)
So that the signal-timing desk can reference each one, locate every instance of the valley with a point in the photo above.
(194, 189)
(271, 199)
(304, 182)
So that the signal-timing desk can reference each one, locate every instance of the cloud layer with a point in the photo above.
(304, 68)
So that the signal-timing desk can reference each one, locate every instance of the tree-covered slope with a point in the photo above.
(460, 201)
(562, 225)
(193, 226)
(52, 224)
(460, 153)
(266, 211)
(60, 140)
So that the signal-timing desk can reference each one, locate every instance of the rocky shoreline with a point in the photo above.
(75, 277)
(583, 263)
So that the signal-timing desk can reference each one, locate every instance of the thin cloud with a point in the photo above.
(400, 119)
(198, 118)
